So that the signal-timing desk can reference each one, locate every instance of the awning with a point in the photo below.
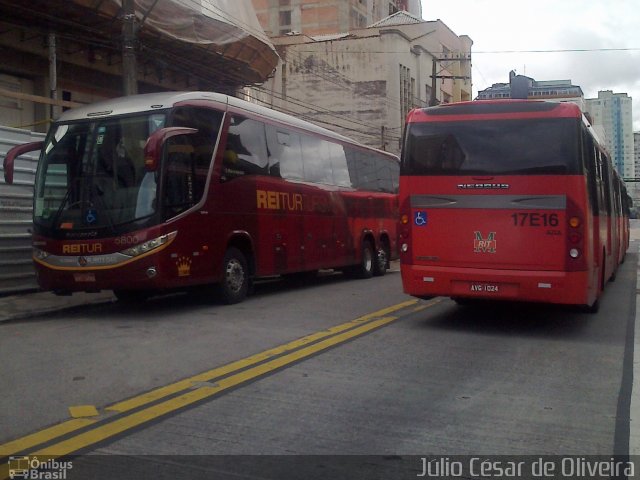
(212, 39)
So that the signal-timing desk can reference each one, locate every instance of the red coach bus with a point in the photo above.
(509, 200)
(162, 191)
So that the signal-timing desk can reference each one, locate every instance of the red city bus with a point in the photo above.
(161, 191)
(509, 200)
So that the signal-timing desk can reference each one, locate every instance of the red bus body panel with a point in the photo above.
(506, 237)
(501, 246)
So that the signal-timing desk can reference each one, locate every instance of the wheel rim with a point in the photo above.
(367, 259)
(235, 275)
(382, 259)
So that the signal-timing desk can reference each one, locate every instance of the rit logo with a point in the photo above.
(484, 245)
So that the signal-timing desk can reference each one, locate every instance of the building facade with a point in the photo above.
(634, 187)
(61, 53)
(614, 112)
(312, 17)
(363, 83)
(521, 86)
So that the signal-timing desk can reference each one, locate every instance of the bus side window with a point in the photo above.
(285, 154)
(387, 175)
(316, 160)
(339, 166)
(179, 183)
(189, 158)
(246, 149)
(589, 163)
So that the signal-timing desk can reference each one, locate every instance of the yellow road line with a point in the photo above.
(332, 336)
(44, 436)
(122, 424)
(186, 383)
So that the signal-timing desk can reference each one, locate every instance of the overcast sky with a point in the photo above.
(606, 35)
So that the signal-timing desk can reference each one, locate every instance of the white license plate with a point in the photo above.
(484, 287)
(84, 277)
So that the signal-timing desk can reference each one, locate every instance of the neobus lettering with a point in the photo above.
(278, 200)
(79, 248)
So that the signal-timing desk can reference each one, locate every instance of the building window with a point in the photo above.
(407, 93)
(285, 18)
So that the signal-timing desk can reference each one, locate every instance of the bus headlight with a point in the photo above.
(149, 245)
(574, 253)
(40, 254)
(404, 248)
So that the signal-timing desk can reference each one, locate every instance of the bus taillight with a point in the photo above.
(575, 237)
(575, 240)
(574, 222)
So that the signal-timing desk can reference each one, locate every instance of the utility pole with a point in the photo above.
(433, 101)
(434, 76)
(53, 75)
(129, 37)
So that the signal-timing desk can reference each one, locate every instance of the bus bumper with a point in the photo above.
(568, 288)
(145, 274)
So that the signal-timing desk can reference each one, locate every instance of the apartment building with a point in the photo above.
(614, 112)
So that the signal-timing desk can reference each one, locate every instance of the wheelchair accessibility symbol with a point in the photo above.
(91, 216)
(420, 219)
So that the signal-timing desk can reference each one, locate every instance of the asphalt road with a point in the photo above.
(184, 388)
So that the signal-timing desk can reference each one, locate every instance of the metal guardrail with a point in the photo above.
(16, 207)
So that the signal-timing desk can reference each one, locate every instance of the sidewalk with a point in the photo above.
(14, 307)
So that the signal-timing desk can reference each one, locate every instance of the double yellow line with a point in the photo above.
(138, 410)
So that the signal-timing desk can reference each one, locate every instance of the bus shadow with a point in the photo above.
(203, 298)
(512, 318)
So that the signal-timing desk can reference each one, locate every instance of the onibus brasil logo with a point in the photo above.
(38, 468)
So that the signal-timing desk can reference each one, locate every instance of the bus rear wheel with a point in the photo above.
(234, 286)
(366, 267)
(381, 262)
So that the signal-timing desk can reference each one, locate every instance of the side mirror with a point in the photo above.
(15, 152)
(153, 147)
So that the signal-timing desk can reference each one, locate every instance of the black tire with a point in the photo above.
(368, 260)
(131, 297)
(234, 286)
(592, 308)
(381, 262)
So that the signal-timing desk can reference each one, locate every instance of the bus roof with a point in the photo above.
(494, 110)
(158, 101)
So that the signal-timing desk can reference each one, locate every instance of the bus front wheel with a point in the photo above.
(234, 285)
(131, 297)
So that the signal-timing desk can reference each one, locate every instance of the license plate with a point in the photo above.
(84, 277)
(484, 287)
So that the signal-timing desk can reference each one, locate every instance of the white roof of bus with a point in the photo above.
(157, 101)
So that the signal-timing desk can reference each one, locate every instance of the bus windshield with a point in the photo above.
(493, 147)
(92, 174)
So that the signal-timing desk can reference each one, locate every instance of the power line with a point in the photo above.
(562, 50)
(557, 50)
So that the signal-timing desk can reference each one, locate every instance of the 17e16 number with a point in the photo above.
(535, 219)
